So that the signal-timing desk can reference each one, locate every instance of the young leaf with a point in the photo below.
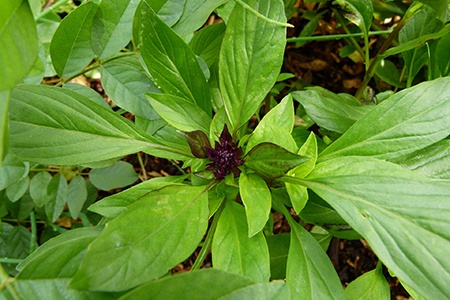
(17, 189)
(257, 201)
(309, 273)
(71, 48)
(250, 58)
(60, 257)
(72, 129)
(389, 205)
(233, 251)
(57, 193)
(172, 64)
(331, 111)
(297, 193)
(271, 161)
(276, 127)
(118, 175)
(112, 25)
(180, 112)
(407, 121)
(388, 72)
(197, 285)
(198, 142)
(18, 43)
(370, 285)
(38, 188)
(150, 237)
(12, 170)
(76, 195)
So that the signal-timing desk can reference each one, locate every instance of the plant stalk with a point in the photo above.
(50, 9)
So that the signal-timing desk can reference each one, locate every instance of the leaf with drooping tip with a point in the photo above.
(197, 141)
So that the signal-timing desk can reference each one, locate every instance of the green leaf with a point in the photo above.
(38, 188)
(197, 285)
(76, 195)
(233, 251)
(195, 14)
(168, 11)
(271, 161)
(319, 212)
(4, 124)
(262, 291)
(257, 201)
(12, 170)
(207, 41)
(180, 112)
(388, 72)
(278, 249)
(112, 206)
(276, 127)
(18, 43)
(72, 129)
(402, 215)
(57, 192)
(118, 175)
(440, 6)
(370, 285)
(297, 193)
(442, 55)
(198, 142)
(54, 289)
(125, 82)
(423, 23)
(149, 238)
(87, 92)
(59, 257)
(71, 48)
(15, 241)
(170, 61)
(359, 12)
(432, 161)
(405, 122)
(17, 189)
(250, 58)
(329, 110)
(112, 26)
(310, 274)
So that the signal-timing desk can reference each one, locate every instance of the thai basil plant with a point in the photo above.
(383, 175)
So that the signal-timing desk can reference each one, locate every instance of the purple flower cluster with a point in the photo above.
(225, 157)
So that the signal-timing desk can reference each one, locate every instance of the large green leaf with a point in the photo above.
(125, 82)
(263, 291)
(207, 41)
(257, 200)
(71, 48)
(250, 58)
(170, 61)
(59, 257)
(309, 273)
(403, 216)
(195, 14)
(278, 249)
(4, 123)
(432, 161)
(331, 111)
(204, 284)
(112, 26)
(51, 125)
(233, 251)
(407, 121)
(144, 242)
(168, 11)
(18, 42)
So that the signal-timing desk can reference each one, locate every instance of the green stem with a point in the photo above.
(33, 243)
(256, 13)
(208, 240)
(335, 36)
(50, 9)
(341, 20)
(142, 165)
(5, 260)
